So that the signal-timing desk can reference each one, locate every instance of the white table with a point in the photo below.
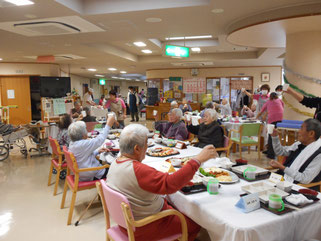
(225, 222)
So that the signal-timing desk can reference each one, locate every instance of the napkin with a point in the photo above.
(217, 162)
(298, 199)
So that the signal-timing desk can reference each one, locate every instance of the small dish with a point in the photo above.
(308, 192)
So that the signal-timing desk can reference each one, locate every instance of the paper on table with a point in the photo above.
(298, 199)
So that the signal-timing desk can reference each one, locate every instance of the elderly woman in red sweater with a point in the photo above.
(144, 186)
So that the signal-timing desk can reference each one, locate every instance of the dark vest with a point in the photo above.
(294, 154)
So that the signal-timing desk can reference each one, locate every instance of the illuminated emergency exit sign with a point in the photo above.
(176, 51)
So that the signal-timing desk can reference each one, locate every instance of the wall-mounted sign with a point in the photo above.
(102, 81)
(176, 51)
(175, 78)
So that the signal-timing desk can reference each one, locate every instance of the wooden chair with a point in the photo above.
(245, 132)
(72, 181)
(56, 162)
(312, 184)
(117, 206)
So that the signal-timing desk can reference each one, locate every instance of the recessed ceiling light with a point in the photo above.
(92, 70)
(112, 69)
(174, 38)
(99, 75)
(196, 49)
(1, 59)
(137, 80)
(140, 44)
(217, 10)
(153, 20)
(147, 51)
(20, 2)
(121, 78)
(114, 77)
(123, 72)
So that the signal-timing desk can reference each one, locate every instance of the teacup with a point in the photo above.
(158, 140)
(249, 173)
(285, 186)
(83, 113)
(276, 202)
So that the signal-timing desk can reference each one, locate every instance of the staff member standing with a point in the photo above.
(311, 102)
(117, 105)
(133, 103)
(88, 100)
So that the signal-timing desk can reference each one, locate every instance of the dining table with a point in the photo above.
(224, 221)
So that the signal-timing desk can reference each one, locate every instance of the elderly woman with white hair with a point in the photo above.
(144, 186)
(225, 107)
(174, 128)
(209, 131)
(174, 104)
(85, 150)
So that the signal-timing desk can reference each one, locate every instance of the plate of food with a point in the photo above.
(179, 161)
(161, 152)
(224, 176)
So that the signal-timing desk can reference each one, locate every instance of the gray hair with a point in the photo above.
(212, 113)
(313, 125)
(174, 103)
(177, 112)
(132, 135)
(77, 130)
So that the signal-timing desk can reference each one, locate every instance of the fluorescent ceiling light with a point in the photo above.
(114, 77)
(190, 37)
(196, 49)
(137, 80)
(198, 37)
(153, 20)
(174, 38)
(217, 10)
(147, 51)
(121, 78)
(112, 69)
(123, 72)
(92, 70)
(140, 44)
(99, 75)
(20, 2)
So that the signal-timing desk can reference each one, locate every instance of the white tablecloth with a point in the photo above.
(225, 222)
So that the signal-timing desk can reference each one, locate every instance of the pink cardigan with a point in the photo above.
(275, 110)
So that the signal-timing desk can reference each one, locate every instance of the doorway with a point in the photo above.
(18, 89)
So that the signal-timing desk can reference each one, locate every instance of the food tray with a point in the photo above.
(314, 198)
(264, 190)
(241, 169)
(193, 189)
(177, 152)
(257, 178)
(286, 209)
(181, 158)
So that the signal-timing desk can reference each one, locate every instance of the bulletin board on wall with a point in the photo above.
(51, 108)
(213, 88)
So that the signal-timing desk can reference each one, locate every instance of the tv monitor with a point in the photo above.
(54, 87)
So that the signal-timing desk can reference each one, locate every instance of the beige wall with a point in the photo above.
(29, 69)
(275, 73)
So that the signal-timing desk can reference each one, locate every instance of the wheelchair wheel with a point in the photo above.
(4, 153)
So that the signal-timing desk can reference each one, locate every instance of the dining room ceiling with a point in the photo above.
(115, 25)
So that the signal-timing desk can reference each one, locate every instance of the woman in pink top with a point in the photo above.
(274, 107)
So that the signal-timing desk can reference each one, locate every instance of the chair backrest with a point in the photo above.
(226, 141)
(90, 126)
(250, 129)
(55, 146)
(113, 201)
(71, 160)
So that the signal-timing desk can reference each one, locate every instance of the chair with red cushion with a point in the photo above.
(72, 181)
(56, 162)
(117, 206)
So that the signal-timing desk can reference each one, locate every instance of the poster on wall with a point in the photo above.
(194, 85)
(59, 106)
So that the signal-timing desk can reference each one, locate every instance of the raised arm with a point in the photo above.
(298, 96)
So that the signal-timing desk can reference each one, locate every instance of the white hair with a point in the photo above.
(212, 113)
(174, 103)
(91, 90)
(227, 100)
(132, 135)
(77, 130)
(177, 112)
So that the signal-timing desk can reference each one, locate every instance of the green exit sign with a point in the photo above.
(102, 81)
(176, 51)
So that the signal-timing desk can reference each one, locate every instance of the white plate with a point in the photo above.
(115, 130)
(241, 169)
(235, 178)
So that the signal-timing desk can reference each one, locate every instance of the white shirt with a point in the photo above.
(87, 97)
